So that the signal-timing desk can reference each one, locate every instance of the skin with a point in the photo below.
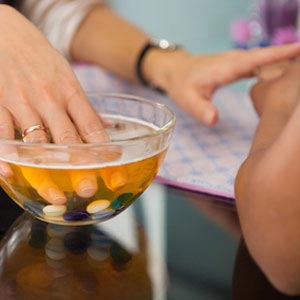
(190, 80)
(39, 87)
(267, 184)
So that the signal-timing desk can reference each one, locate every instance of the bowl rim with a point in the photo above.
(169, 125)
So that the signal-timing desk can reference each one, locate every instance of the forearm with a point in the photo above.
(267, 196)
(115, 44)
(109, 41)
(58, 19)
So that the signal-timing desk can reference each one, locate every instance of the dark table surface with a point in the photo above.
(170, 244)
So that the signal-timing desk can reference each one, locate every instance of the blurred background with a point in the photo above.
(199, 25)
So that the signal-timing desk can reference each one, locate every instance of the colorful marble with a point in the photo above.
(98, 206)
(76, 215)
(54, 210)
(36, 208)
(122, 200)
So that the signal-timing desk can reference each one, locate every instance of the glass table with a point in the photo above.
(171, 244)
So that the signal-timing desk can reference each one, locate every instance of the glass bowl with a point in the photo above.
(115, 172)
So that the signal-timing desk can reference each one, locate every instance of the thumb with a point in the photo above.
(200, 107)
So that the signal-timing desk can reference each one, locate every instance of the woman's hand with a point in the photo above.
(192, 80)
(38, 87)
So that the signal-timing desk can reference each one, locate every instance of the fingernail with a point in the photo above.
(209, 117)
(117, 180)
(56, 196)
(86, 188)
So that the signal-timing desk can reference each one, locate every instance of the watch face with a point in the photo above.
(165, 44)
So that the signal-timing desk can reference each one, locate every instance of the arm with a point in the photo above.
(98, 35)
(267, 185)
(190, 80)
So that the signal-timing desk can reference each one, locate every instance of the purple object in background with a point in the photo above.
(275, 14)
(284, 36)
(240, 31)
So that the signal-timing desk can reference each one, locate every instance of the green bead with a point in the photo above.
(122, 200)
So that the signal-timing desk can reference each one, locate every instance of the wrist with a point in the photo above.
(159, 66)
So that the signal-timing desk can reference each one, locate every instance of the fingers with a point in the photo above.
(278, 94)
(61, 127)
(248, 63)
(114, 178)
(26, 118)
(88, 122)
(262, 56)
(273, 71)
(84, 182)
(63, 131)
(6, 131)
(42, 182)
(38, 178)
(201, 108)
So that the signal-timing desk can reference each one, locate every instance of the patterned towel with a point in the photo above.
(199, 158)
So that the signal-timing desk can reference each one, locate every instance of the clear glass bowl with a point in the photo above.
(95, 181)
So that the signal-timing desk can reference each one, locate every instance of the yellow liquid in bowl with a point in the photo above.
(118, 183)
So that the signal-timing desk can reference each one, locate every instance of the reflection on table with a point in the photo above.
(46, 261)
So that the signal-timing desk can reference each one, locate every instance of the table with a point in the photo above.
(170, 244)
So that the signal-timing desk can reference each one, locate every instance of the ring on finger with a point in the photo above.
(33, 128)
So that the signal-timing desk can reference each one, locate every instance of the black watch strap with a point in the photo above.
(158, 44)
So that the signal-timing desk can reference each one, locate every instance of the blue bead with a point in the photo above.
(264, 43)
(36, 208)
(103, 215)
(76, 215)
(241, 46)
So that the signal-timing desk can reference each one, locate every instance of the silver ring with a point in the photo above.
(33, 128)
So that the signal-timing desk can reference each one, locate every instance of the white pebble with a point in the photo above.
(54, 210)
(55, 249)
(97, 206)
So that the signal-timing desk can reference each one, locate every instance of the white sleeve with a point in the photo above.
(58, 19)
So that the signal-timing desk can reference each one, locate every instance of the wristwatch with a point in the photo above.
(161, 44)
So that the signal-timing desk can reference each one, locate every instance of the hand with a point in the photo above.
(273, 70)
(191, 80)
(278, 90)
(37, 86)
